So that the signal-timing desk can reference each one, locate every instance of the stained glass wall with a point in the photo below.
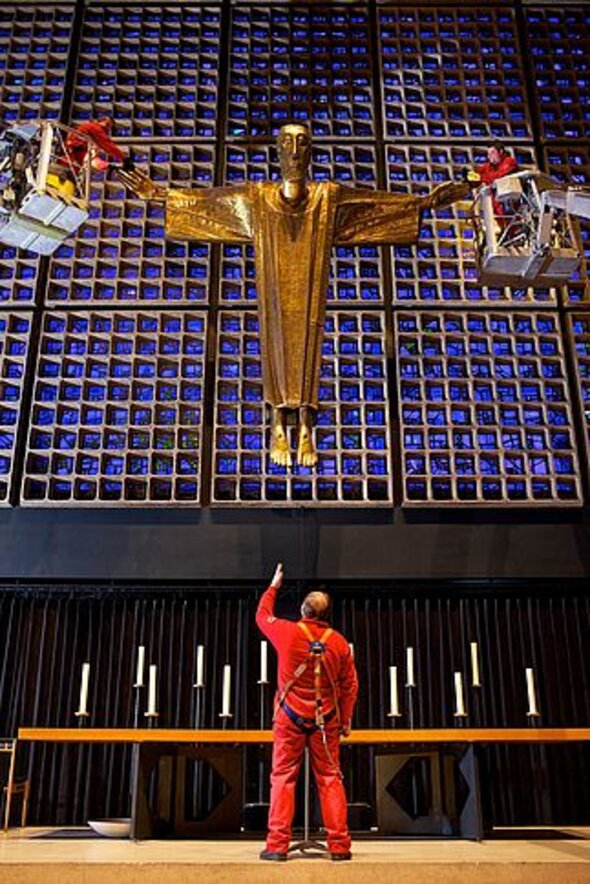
(130, 362)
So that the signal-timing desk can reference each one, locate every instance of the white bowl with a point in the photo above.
(113, 828)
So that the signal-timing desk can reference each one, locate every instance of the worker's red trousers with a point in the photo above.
(288, 748)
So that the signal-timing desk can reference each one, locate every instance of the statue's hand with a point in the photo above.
(142, 185)
(446, 194)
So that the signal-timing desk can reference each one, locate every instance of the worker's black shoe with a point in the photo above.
(341, 857)
(273, 857)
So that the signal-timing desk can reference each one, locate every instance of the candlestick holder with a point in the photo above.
(152, 718)
(476, 703)
(263, 685)
(410, 689)
(263, 688)
(199, 689)
(137, 689)
(225, 717)
(392, 716)
(82, 717)
(199, 715)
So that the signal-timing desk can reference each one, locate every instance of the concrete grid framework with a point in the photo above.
(399, 96)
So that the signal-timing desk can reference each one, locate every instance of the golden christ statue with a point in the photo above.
(293, 224)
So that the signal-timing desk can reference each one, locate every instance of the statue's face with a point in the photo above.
(294, 144)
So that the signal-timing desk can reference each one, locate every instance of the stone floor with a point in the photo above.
(30, 860)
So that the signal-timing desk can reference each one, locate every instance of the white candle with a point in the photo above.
(475, 681)
(393, 692)
(263, 662)
(151, 710)
(83, 706)
(140, 666)
(459, 698)
(351, 646)
(226, 691)
(410, 680)
(200, 679)
(531, 693)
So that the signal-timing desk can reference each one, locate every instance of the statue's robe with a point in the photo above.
(292, 245)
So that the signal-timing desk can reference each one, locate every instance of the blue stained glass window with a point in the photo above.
(349, 367)
(97, 377)
(504, 372)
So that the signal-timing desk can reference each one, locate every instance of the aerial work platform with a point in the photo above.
(44, 198)
(527, 230)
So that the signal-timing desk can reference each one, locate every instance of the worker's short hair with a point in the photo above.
(105, 120)
(498, 145)
(316, 605)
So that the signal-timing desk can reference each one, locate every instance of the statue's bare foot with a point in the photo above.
(306, 453)
(279, 447)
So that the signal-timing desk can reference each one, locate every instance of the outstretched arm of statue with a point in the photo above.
(446, 194)
(380, 217)
(142, 185)
(210, 214)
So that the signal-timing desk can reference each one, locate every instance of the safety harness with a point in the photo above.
(315, 658)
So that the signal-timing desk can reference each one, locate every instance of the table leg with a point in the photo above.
(10, 785)
(470, 822)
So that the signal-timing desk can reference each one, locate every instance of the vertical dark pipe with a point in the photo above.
(183, 676)
(214, 667)
(11, 630)
(444, 646)
(369, 660)
(376, 629)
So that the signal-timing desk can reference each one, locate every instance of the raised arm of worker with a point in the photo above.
(102, 139)
(274, 628)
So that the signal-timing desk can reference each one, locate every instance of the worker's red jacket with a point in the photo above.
(77, 147)
(489, 173)
(292, 647)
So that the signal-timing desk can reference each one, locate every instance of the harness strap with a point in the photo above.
(299, 671)
(307, 725)
(317, 647)
(317, 651)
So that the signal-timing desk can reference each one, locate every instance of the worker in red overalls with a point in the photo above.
(100, 133)
(66, 169)
(498, 164)
(317, 689)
